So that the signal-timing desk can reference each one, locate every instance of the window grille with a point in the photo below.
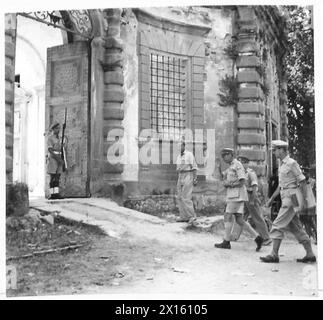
(167, 95)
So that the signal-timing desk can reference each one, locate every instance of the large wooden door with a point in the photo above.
(67, 88)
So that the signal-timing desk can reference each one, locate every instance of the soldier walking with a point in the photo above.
(234, 180)
(291, 179)
(253, 204)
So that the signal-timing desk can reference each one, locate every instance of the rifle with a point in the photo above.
(63, 154)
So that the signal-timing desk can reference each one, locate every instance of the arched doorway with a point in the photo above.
(52, 69)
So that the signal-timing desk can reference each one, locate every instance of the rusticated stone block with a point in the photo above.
(248, 61)
(251, 107)
(114, 31)
(114, 42)
(251, 123)
(114, 95)
(9, 163)
(251, 138)
(247, 46)
(246, 13)
(9, 73)
(253, 155)
(114, 112)
(113, 77)
(115, 59)
(248, 76)
(250, 93)
(9, 96)
(9, 114)
(10, 50)
(9, 139)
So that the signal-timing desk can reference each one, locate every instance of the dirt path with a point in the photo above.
(152, 256)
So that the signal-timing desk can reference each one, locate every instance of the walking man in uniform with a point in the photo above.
(55, 162)
(253, 204)
(187, 178)
(290, 179)
(234, 180)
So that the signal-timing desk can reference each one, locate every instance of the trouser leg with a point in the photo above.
(187, 203)
(283, 219)
(302, 237)
(245, 225)
(180, 199)
(259, 221)
(54, 184)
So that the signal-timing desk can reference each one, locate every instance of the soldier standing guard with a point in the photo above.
(234, 180)
(55, 161)
(291, 180)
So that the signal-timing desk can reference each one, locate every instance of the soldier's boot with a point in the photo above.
(259, 241)
(223, 245)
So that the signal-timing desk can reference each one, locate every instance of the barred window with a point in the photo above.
(167, 95)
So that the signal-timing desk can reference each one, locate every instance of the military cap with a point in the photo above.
(227, 151)
(243, 158)
(53, 125)
(278, 144)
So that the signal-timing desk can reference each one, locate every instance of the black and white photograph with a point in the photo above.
(160, 149)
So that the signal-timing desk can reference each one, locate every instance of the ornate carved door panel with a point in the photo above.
(67, 88)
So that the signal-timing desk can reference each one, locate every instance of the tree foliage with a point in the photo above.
(300, 84)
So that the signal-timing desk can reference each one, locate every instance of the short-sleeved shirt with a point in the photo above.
(290, 174)
(233, 174)
(251, 180)
(185, 162)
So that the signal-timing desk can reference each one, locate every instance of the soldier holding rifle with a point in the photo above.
(56, 160)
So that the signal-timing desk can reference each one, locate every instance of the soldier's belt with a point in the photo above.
(57, 152)
(286, 188)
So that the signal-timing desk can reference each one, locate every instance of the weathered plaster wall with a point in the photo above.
(217, 65)
(130, 104)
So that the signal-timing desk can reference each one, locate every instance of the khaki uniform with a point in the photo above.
(290, 175)
(187, 163)
(235, 197)
(53, 167)
(253, 207)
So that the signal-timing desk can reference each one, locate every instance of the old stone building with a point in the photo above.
(216, 70)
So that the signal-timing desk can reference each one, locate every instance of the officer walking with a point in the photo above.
(234, 180)
(187, 177)
(54, 160)
(290, 179)
(253, 203)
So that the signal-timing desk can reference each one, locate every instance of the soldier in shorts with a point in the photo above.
(234, 180)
